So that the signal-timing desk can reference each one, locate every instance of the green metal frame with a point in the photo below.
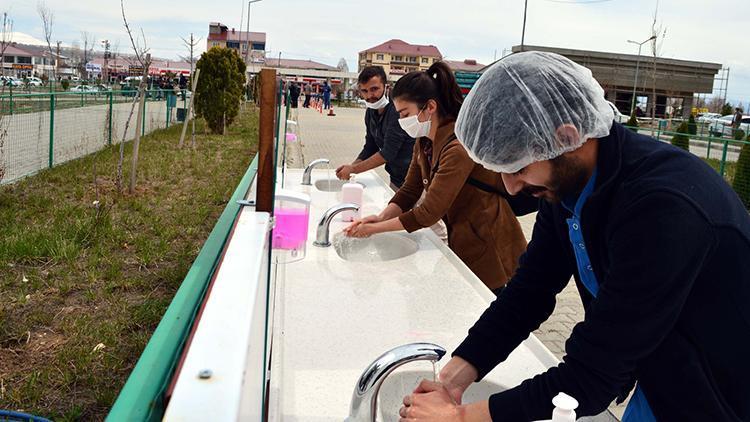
(142, 397)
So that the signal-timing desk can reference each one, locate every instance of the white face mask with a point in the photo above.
(413, 127)
(382, 102)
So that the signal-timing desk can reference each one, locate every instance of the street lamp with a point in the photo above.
(247, 48)
(637, 63)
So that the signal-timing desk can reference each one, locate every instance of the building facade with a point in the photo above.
(399, 58)
(220, 35)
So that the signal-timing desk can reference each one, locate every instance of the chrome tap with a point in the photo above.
(322, 238)
(308, 170)
(364, 404)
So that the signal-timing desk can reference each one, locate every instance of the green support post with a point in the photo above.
(109, 131)
(723, 158)
(81, 94)
(11, 101)
(708, 149)
(143, 122)
(51, 129)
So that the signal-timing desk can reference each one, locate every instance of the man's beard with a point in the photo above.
(568, 176)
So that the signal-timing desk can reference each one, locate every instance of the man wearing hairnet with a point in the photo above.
(658, 244)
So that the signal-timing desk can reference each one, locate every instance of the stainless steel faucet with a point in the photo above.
(322, 237)
(365, 398)
(308, 170)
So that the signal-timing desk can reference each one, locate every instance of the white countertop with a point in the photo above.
(334, 317)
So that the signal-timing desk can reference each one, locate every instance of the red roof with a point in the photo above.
(234, 35)
(11, 50)
(395, 46)
(298, 64)
(468, 65)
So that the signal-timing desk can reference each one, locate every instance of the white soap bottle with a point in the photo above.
(565, 409)
(351, 192)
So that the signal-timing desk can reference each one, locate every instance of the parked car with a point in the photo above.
(619, 117)
(34, 81)
(723, 126)
(10, 81)
(707, 117)
(84, 89)
(102, 88)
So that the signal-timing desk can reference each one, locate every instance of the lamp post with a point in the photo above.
(523, 30)
(637, 63)
(247, 48)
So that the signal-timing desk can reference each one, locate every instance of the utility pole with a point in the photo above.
(105, 71)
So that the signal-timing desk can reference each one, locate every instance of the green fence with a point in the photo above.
(730, 157)
(40, 130)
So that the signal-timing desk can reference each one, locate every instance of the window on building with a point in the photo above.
(214, 44)
(412, 59)
(233, 44)
(24, 60)
(434, 60)
(397, 58)
(425, 60)
(379, 57)
(362, 56)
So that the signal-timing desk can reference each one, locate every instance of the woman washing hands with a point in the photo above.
(482, 227)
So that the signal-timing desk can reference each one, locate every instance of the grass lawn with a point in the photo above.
(83, 286)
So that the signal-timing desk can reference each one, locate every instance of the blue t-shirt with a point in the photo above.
(638, 409)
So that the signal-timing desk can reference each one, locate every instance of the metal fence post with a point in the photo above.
(143, 126)
(51, 128)
(708, 149)
(109, 132)
(11, 101)
(723, 158)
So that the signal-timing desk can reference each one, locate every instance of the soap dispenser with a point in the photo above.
(351, 192)
(291, 214)
(565, 409)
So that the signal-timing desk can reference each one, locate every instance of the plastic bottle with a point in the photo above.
(351, 192)
(564, 410)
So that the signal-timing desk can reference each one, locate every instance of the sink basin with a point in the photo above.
(402, 383)
(331, 185)
(376, 248)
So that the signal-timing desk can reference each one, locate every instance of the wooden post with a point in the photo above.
(140, 120)
(265, 184)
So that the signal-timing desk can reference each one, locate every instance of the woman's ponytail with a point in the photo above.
(436, 83)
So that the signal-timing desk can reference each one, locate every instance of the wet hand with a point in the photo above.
(344, 172)
(431, 401)
(362, 230)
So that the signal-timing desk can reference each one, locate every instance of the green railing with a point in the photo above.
(729, 157)
(142, 398)
(40, 130)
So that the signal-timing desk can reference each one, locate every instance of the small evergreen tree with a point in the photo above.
(739, 135)
(220, 87)
(632, 123)
(741, 183)
(681, 139)
(692, 126)
(726, 109)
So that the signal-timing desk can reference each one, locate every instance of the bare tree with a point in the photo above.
(191, 58)
(88, 51)
(48, 18)
(6, 38)
(143, 57)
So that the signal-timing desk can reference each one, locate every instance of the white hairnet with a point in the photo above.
(511, 116)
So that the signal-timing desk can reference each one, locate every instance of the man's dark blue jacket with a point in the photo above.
(669, 242)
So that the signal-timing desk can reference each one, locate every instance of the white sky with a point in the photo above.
(326, 30)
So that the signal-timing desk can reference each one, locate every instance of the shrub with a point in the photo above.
(726, 109)
(632, 123)
(741, 183)
(680, 139)
(220, 87)
(739, 135)
(692, 126)
(65, 84)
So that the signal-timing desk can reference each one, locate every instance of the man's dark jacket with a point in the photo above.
(384, 135)
(669, 242)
